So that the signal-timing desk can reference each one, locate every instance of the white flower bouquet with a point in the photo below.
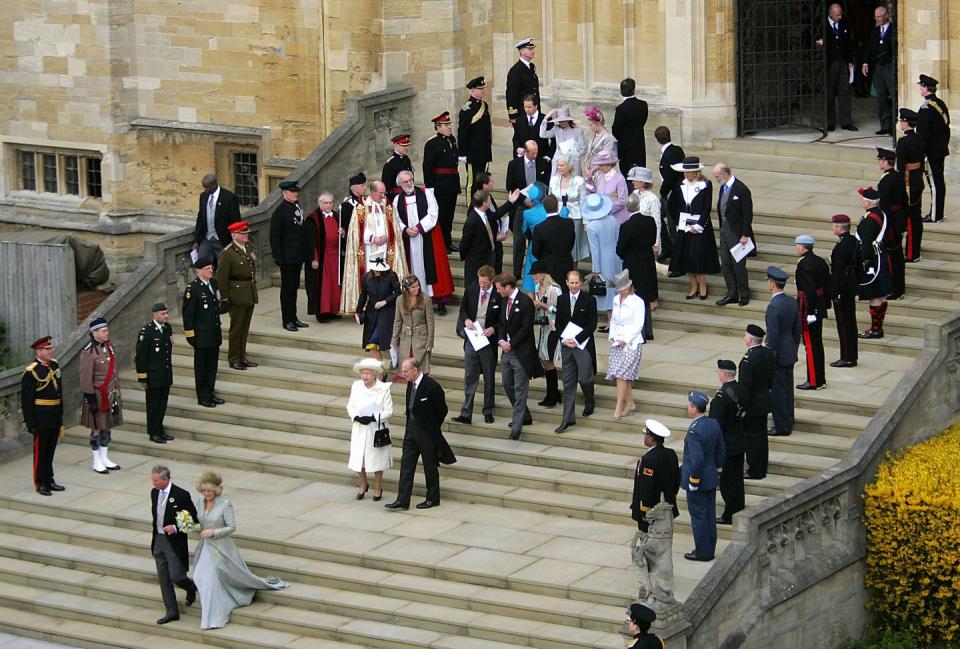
(185, 522)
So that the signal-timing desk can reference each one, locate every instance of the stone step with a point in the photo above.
(786, 149)
(863, 172)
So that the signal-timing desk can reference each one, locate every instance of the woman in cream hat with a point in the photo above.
(369, 407)
(695, 251)
(626, 343)
(559, 125)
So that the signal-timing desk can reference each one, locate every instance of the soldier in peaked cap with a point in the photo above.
(893, 202)
(522, 79)
(728, 408)
(41, 403)
(657, 478)
(933, 127)
(640, 617)
(201, 327)
(875, 281)
(399, 161)
(910, 156)
(783, 336)
(813, 298)
(154, 361)
(102, 406)
(475, 131)
(844, 284)
(237, 280)
(441, 174)
(703, 456)
(756, 377)
(286, 246)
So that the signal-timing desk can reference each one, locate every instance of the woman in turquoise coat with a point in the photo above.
(532, 217)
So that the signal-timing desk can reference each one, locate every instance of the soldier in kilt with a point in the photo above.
(102, 407)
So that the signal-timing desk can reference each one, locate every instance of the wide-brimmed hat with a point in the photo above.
(642, 174)
(535, 194)
(606, 158)
(691, 163)
(562, 115)
(368, 364)
(622, 281)
(595, 206)
(379, 264)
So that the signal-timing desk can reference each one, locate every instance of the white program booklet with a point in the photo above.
(476, 337)
(741, 250)
(572, 330)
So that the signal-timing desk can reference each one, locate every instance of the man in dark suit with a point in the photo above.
(881, 60)
(527, 127)
(670, 195)
(703, 456)
(727, 408)
(553, 240)
(835, 35)
(813, 299)
(500, 215)
(933, 126)
(756, 377)
(154, 362)
(519, 361)
(845, 268)
(201, 327)
(522, 172)
(735, 211)
(783, 336)
(629, 119)
(579, 363)
(478, 242)
(426, 408)
(168, 544)
(479, 309)
(219, 208)
(286, 245)
(522, 79)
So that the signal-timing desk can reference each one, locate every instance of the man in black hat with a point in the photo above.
(441, 174)
(640, 619)
(933, 126)
(875, 280)
(703, 456)
(756, 376)
(475, 131)
(783, 336)
(657, 478)
(522, 79)
(813, 285)
(154, 362)
(41, 403)
(358, 191)
(910, 155)
(287, 247)
(836, 36)
(893, 202)
(881, 59)
(845, 270)
(201, 327)
(728, 407)
(399, 161)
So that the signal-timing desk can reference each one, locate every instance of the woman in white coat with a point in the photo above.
(626, 342)
(370, 406)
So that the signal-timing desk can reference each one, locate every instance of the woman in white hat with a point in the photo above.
(369, 407)
(569, 188)
(626, 343)
(695, 250)
(600, 140)
(559, 125)
(602, 232)
(608, 180)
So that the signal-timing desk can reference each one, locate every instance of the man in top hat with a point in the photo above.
(845, 271)
(640, 619)
(629, 119)
(728, 408)
(102, 406)
(756, 377)
(325, 238)
(201, 327)
(528, 126)
(41, 396)
(475, 131)
(154, 362)
(657, 478)
(703, 456)
(399, 161)
(219, 207)
(933, 126)
(670, 194)
(875, 280)
(893, 202)
(522, 79)
(237, 280)
(735, 210)
(783, 336)
(910, 155)
(813, 299)
(441, 174)
(519, 360)
(837, 38)
(881, 59)
(578, 352)
(286, 244)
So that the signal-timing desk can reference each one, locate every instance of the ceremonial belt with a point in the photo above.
(444, 170)
(46, 402)
(242, 282)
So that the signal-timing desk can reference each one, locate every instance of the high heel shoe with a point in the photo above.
(627, 413)
(703, 297)
(377, 498)
(362, 494)
(692, 296)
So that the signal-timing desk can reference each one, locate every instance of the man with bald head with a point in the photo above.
(837, 39)
(735, 209)
(219, 207)
(523, 172)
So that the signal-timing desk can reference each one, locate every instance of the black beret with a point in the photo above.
(728, 365)
(358, 179)
(158, 306)
(756, 331)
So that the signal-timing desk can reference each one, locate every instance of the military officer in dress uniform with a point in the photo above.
(875, 280)
(813, 286)
(640, 619)
(703, 456)
(441, 174)
(201, 326)
(475, 131)
(237, 280)
(893, 202)
(657, 477)
(154, 361)
(102, 406)
(40, 400)
(522, 79)
(728, 407)
(399, 161)
(845, 282)
(933, 127)
(756, 377)
(910, 155)
(286, 245)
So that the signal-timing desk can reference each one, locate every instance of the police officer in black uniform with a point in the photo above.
(201, 325)
(154, 361)
(441, 173)
(657, 477)
(399, 161)
(756, 377)
(287, 248)
(845, 285)
(640, 619)
(728, 407)
(40, 399)
(475, 131)
(933, 126)
(910, 155)
(893, 202)
(522, 79)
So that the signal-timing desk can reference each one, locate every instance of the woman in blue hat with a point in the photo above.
(602, 232)
(533, 216)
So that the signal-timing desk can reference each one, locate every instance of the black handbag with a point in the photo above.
(597, 286)
(381, 436)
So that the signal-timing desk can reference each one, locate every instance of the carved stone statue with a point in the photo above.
(652, 554)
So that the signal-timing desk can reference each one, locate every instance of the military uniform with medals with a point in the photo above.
(813, 283)
(398, 162)
(475, 133)
(893, 202)
(657, 478)
(756, 377)
(201, 324)
(522, 80)
(441, 174)
(727, 407)
(933, 126)
(844, 276)
(154, 362)
(41, 395)
(237, 280)
(910, 155)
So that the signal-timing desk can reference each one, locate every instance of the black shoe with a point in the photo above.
(300, 324)
(207, 404)
(692, 296)
(290, 327)
(427, 504)
(488, 419)
(831, 127)
(776, 433)
(871, 334)
(53, 486)
(396, 504)
(895, 296)
(248, 363)
(168, 618)
(441, 309)
(940, 220)
(883, 131)
(663, 259)
(169, 438)
(218, 401)
(744, 301)
(690, 556)
(724, 521)
(564, 426)
(588, 408)
(674, 274)
(726, 299)
(158, 439)
(843, 363)
(452, 249)
(913, 261)
(528, 421)
(237, 365)
(747, 476)
(927, 219)
(460, 419)
(191, 596)
(361, 494)
(849, 127)
(514, 436)
(806, 386)
(549, 401)
(44, 490)
(377, 499)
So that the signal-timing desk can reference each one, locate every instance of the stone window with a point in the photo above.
(65, 172)
(246, 178)
(50, 173)
(94, 179)
(28, 170)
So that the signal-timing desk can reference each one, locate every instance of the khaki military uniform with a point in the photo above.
(237, 278)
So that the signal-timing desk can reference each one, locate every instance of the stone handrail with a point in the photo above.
(360, 142)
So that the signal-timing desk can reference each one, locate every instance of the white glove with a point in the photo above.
(871, 271)
(693, 488)
(462, 159)
(811, 319)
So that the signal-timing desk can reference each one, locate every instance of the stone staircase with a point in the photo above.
(528, 549)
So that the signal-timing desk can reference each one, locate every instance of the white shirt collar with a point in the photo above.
(553, 214)
(513, 296)
(481, 214)
(416, 384)
(158, 325)
(534, 117)
(729, 183)
(574, 296)
(664, 147)
(525, 62)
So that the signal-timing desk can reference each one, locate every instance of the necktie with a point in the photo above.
(573, 302)
(509, 307)
(530, 120)
(161, 509)
(483, 298)
(533, 68)
(836, 29)
(211, 205)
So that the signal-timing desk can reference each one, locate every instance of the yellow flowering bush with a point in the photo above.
(912, 516)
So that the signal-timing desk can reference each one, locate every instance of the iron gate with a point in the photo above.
(781, 71)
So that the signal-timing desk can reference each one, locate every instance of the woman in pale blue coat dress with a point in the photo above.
(602, 232)
(223, 580)
(532, 217)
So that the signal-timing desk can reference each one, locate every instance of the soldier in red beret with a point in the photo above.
(237, 279)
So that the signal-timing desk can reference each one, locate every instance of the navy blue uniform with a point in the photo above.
(703, 455)
(657, 479)
(756, 376)
(783, 336)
